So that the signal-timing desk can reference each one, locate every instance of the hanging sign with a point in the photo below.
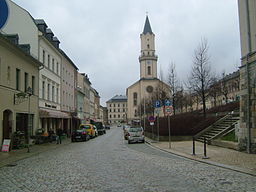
(6, 145)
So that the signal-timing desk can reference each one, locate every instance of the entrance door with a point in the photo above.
(7, 124)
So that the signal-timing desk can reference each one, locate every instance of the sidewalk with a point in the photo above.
(9, 158)
(218, 156)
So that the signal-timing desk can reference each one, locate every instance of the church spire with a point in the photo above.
(147, 27)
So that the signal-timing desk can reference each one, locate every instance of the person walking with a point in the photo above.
(59, 134)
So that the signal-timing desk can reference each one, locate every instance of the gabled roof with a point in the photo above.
(147, 27)
(118, 98)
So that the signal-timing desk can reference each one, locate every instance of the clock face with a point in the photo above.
(149, 89)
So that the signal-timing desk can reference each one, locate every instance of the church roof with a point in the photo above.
(147, 27)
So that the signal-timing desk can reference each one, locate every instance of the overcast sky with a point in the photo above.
(102, 37)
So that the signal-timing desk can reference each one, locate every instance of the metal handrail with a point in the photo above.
(210, 127)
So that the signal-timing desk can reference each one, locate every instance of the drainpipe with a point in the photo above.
(248, 120)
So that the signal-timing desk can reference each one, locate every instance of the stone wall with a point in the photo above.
(244, 113)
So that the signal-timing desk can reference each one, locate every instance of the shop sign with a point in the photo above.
(6, 145)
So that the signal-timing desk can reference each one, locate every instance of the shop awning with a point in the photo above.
(46, 113)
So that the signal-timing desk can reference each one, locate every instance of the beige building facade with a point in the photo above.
(117, 109)
(149, 84)
(247, 20)
(19, 73)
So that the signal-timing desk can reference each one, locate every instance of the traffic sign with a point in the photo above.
(157, 104)
(168, 102)
(169, 110)
(4, 13)
(151, 119)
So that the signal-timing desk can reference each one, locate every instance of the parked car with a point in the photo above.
(135, 134)
(101, 129)
(89, 129)
(80, 135)
(107, 126)
(125, 128)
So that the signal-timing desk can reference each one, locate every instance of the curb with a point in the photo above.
(194, 158)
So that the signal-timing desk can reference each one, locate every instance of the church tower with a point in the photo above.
(148, 59)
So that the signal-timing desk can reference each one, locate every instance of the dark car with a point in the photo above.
(101, 129)
(80, 135)
(107, 126)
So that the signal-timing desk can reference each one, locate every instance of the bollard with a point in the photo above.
(205, 156)
(194, 150)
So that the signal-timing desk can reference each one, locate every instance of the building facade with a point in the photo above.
(117, 109)
(247, 20)
(19, 74)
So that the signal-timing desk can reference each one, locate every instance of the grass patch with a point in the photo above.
(230, 137)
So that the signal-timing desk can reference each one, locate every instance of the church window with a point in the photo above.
(148, 46)
(149, 70)
(148, 53)
(135, 96)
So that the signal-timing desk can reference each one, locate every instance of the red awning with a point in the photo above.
(46, 113)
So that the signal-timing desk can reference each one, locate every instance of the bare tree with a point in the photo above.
(173, 82)
(215, 90)
(201, 76)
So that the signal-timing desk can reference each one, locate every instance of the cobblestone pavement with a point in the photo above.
(109, 164)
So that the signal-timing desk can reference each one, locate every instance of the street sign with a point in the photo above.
(157, 104)
(168, 102)
(4, 13)
(151, 119)
(169, 110)
(157, 110)
(152, 123)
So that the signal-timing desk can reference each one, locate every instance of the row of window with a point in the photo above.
(18, 80)
(67, 77)
(50, 92)
(118, 105)
(52, 64)
(67, 99)
(117, 116)
(117, 110)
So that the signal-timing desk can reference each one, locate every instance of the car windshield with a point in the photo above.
(135, 129)
(85, 126)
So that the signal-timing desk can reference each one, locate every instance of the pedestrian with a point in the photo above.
(59, 134)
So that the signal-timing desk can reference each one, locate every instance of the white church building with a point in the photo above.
(148, 83)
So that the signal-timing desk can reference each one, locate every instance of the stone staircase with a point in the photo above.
(220, 128)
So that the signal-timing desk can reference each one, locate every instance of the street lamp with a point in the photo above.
(29, 93)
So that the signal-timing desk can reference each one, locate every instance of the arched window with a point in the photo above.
(135, 97)
(149, 70)
(148, 46)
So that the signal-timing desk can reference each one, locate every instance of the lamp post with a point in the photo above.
(29, 93)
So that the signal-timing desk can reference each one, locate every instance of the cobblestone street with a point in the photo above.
(109, 164)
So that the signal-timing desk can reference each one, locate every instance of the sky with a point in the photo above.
(102, 37)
